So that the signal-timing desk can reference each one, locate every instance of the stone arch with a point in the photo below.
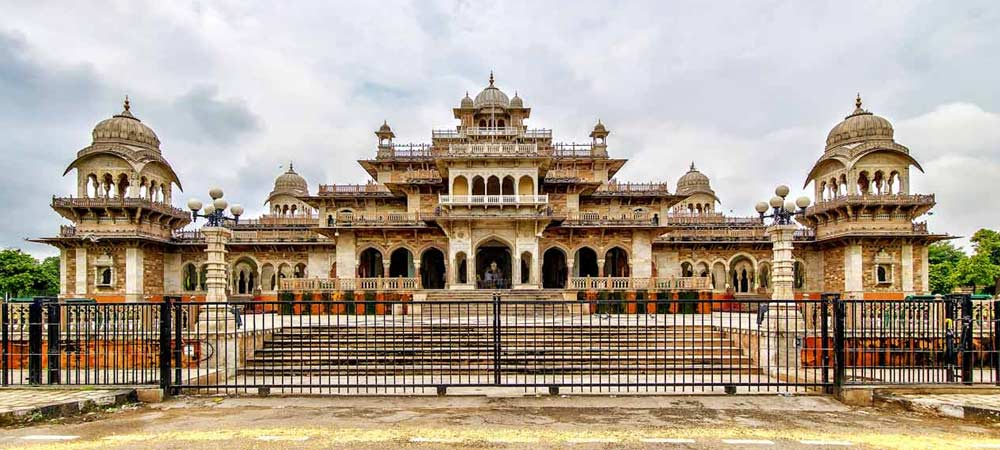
(493, 185)
(478, 185)
(687, 269)
(616, 262)
(268, 277)
(370, 263)
(585, 262)
(764, 275)
(461, 268)
(526, 186)
(742, 272)
(494, 262)
(460, 186)
(525, 267)
(401, 263)
(300, 270)
(432, 268)
(702, 269)
(245, 276)
(864, 183)
(554, 268)
(507, 186)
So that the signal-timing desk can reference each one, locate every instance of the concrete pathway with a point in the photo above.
(984, 406)
(21, 405)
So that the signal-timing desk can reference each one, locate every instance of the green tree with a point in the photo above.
(22, 275)
(976, 271)
(942, 258)
(944, 252)
(986, 242)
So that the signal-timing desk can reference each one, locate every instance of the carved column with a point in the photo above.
(216, 239)
(782, 274)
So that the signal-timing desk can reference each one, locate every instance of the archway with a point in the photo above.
(525, 267)
(526, 186)
(432, 269)
(742, 274)
(616, 263)
(493, 185)
(554, 269)
(370, 264)
(461, 268)
(493, 265)
(687, 270)
(507, 186)
(478, 186)
(244, 276)
(401, 263)
(585, 263)
(461, 186)
(190, 277)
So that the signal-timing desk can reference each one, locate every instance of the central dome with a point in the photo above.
(491, 96)
(693, 181)
(126, 128)
(860, 126)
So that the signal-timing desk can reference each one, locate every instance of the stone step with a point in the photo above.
(451, 342)
(305, 351)
(484, 369)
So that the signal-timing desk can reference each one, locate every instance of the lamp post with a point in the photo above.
(780, 233)
(217, 235)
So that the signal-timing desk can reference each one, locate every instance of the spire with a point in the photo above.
(127, 105)
(857, 101)
(692, 166)
(291, 166)
(491, 78)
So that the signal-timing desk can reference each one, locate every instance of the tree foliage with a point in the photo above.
(22, 275)
(950, 267)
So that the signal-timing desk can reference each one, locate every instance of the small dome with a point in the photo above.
(467, 101)
(385, 127)
(600, 127)
(694, 182)
(126, 128)
(291, 182)
(491, 96)
(516, 102)
(860, 126)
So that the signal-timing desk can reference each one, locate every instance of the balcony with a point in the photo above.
(492, 131)
(404, 151)
(279, 221)
(119, 203)
(616, 189)
(711, 219)
(493, 149)
(354, 190)
(629, 283)
(376, 220)
(349, 284)
(493, 200)
(575, 150)
(629, 220)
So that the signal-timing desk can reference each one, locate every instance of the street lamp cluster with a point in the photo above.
(215, 211)
(782, 210)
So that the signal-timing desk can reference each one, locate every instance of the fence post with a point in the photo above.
(496, 338)
(4, 344)
(839, 337)
(35, 342)
(824, 315)
(178, 342)
(54, 353)
(968, 353)
(996, 341)
(165, 347)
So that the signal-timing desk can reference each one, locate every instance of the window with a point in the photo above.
(883, 274)
(105, 276)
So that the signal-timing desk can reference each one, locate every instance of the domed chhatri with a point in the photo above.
(291, 181)
(692, 179)
(467, 101)
(125, 128)
(491, 96)
(516, 102)
(859, 126)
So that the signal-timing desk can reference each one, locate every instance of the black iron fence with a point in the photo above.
(400, 346)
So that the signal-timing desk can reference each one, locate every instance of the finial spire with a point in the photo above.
(291, 166)
(491, 78)
(692, 166)
(857, 101)
(127, 105)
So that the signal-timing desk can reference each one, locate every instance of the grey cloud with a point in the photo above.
(200, 116)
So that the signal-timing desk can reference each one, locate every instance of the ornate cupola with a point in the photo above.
(862, 181)
(599, 138)
(284, 198)
(696, 186)
(124, 185)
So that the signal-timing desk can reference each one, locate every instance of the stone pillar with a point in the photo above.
(924, 270)
(385, 267)
(570, 263)
(216, 239)
(906, 268)
(470, 269)
(133, 274)
(782, 276)
(347, 260)
(81, 271)
(641, 261)
(63, 276)
(853, 272)
(600, 268)
(416, 272)
(515, 269)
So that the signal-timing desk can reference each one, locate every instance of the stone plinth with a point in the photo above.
(782, 272)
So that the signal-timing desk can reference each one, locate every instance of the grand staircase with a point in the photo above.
(465, 348)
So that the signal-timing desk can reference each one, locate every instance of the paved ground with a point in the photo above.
(481, 422)
(20, 405)
(961, 405)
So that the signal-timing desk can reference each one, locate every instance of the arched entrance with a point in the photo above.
(370, 264)
(554, 269)
(244, 277)
(401, 263)
(742, 274)
(493, 265)
(461, 269)
(616, 263)
(525, 268)
(432, 270)
(586, 263)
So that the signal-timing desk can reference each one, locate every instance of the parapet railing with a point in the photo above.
(492, 200)
(633, 283)
(349, 284)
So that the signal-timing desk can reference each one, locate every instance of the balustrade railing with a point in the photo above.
(493, 149)
(595, 218)
(404, 151)
(873, 200)
(370, 188)
(373, 219)
(614, 187)
(572, 150)
(493, 200)
(633, 283)
(118, 202)
(349, 284)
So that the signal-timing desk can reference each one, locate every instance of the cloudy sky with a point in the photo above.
(747, 90)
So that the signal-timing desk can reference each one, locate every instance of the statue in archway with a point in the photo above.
(493, 275)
